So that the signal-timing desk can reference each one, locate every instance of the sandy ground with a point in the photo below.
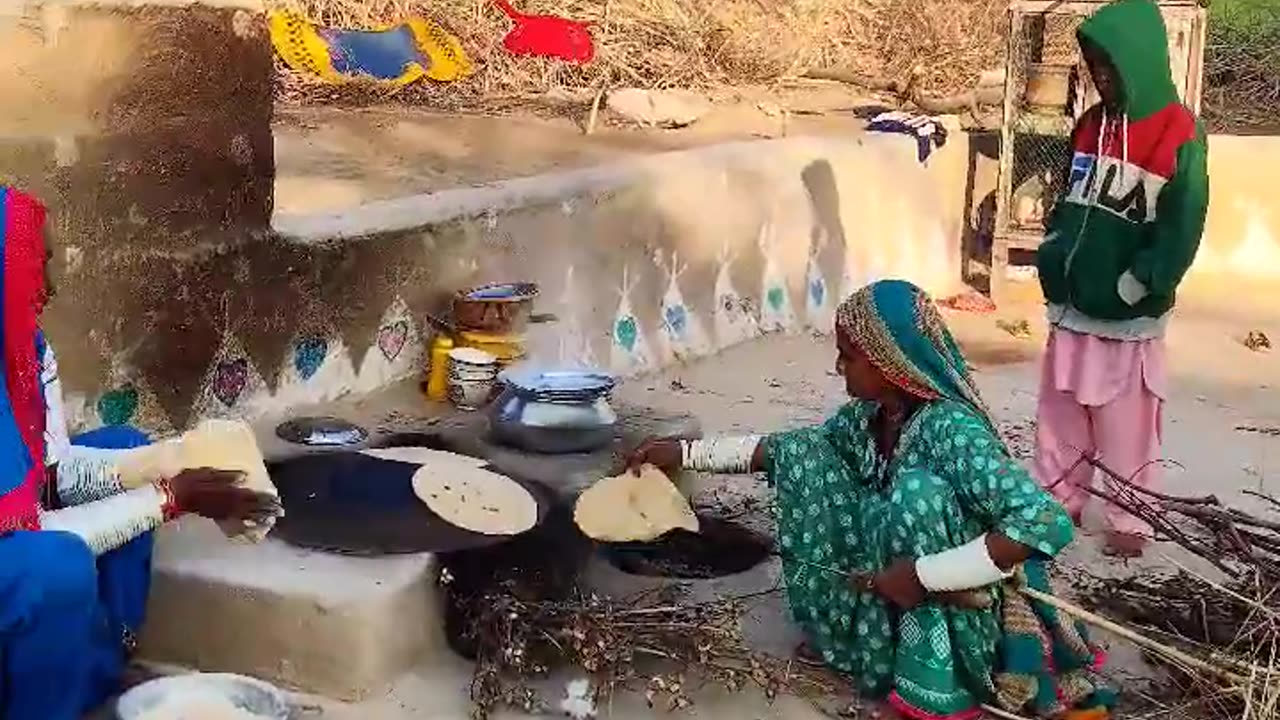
(328, 158)
(1218, 386)
(341, 158)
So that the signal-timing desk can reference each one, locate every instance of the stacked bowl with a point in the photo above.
(472, 374)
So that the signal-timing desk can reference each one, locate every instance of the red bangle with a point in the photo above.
(169, 509)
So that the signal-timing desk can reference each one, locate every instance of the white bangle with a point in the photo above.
(107, 524)
(722, 454)
(963, 568)
(88, 474)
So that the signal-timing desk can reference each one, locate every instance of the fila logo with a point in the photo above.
(1122, 189)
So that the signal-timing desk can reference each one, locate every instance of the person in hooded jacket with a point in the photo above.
(1118, 243)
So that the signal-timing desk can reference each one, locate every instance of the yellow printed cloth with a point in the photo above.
(395, 55)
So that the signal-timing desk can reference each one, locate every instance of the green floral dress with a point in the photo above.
(841, 505)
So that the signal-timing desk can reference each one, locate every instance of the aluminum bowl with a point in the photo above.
(249, 694)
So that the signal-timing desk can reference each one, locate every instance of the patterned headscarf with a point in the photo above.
(21, 405)
(899, 328)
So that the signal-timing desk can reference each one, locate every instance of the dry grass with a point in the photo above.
(709, 43)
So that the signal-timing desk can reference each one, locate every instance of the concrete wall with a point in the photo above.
(147, 131)
(1242, 238)
(645, 263)
(1241, 243)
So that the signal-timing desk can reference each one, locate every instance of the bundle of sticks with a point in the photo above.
(653, 641)
(1223, 632)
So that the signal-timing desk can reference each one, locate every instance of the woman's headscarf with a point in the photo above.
(899, 328)
(22, 290)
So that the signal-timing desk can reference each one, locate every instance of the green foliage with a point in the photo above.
(1242, 64)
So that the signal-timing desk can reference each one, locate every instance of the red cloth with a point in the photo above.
(547, 35)
(23, 296)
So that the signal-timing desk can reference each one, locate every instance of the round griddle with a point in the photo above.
(353, 504)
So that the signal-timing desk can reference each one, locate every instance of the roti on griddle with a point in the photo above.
(475, 499)
(633, 508)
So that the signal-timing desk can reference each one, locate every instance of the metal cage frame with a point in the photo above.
(1023, 129)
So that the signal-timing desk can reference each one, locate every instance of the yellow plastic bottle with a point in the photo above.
(438, 371)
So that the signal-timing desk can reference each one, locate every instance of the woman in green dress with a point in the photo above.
(905, 526)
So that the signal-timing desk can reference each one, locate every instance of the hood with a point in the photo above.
(1132, 33)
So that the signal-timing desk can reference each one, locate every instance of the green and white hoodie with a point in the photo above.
(1126, 230)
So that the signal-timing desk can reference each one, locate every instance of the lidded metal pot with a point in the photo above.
(553, 411)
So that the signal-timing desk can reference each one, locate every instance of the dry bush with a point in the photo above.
(708, 43)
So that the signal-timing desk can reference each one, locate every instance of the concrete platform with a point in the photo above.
(337, 626)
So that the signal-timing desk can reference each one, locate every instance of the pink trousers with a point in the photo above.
(1102, 398)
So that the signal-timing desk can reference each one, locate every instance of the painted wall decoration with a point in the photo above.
(317, 369)
(392, 337)
(230, 378)
(682, 337)
(629, 351)
(232, 383)
(126, 400)
(776, 313)
(308, 355)
(573, 346)
(118, 406)
(398, 350)
(818, 303)
(733, 318)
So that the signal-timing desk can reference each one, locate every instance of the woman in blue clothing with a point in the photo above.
(75, 548)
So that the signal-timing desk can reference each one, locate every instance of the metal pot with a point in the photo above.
(554, 411)
(499, 308)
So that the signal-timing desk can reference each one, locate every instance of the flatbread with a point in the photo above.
(219, 444)
(423, 456)
(633, 508)
(475, 499)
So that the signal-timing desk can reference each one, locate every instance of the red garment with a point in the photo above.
(23, 295)
(547, 35)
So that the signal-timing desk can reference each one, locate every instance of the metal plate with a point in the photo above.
(354, 504)
(249, 694)
(502, 291)
(321, 432)
(559, 385)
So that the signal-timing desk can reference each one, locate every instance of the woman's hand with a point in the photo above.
(897, 583)
(215, 494)
(664, 454)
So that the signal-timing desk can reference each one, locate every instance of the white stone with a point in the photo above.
(660, 108)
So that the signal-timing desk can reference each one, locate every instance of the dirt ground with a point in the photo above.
(339, 158)
(331, 158)
(1218, 387)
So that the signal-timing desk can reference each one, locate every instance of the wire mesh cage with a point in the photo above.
(1047, 88)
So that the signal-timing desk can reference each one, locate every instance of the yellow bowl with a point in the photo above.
(506, 348)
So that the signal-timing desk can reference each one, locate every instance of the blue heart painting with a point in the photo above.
(818, 291)
(677, 319)
(308, 355)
